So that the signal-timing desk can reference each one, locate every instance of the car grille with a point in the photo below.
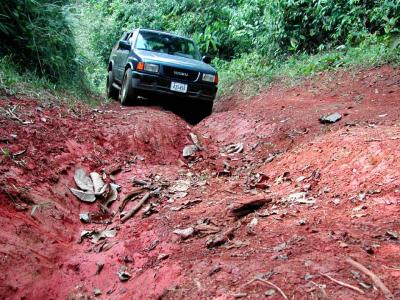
(180, 73)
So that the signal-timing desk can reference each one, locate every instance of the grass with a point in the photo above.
(23, 84)
(252, 72)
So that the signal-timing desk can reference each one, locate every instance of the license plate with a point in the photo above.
(178, 87)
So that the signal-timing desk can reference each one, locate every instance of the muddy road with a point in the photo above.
(270, 203)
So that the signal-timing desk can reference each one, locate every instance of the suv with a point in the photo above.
(148, 62)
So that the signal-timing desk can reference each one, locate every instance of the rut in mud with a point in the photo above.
(327, 192)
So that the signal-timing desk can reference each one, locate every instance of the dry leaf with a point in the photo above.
(83, 181)
(98, 182)
(84, 196)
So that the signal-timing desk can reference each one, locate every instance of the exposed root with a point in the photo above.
(343, 284)
(375, 279)
(270, 284)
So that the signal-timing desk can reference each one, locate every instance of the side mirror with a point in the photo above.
(124, 45)
(206, 59)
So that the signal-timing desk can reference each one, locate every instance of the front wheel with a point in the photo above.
(112, 92)
(127, 93)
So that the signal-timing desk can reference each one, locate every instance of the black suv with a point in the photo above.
(147, 62)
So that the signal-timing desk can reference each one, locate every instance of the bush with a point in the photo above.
(37, 35)
(309, 26)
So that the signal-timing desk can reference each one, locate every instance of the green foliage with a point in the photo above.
(227, 29)
(303, 25)
(251, 72)
(17, 81)
(38, 36)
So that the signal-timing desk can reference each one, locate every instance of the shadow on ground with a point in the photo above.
(189, 110)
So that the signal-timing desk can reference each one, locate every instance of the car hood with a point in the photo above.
(175, 61)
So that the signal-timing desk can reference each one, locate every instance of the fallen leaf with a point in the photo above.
(88, 197)
(186, 204)
(180, 186)
(195, 140)
(98, 182)
(234, 148)
(83, 181)
(96, 236)
(112, 195)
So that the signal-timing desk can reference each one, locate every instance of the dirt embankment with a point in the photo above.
(328, 192)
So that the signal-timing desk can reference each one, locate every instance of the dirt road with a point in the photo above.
(325, 192)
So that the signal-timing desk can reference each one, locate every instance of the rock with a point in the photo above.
(239, 295)
(97, 292)
(184, 233)
(163, 256)
(393, 235)
(329, 119)
(84, 217)
(214, 270)
(250, 227)
(189, 150)
(221, 238)
(302, 222)
(99, 267)
(245, 205)
(123, 274)
(269, 292)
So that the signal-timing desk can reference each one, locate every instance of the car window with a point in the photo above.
(165, 43)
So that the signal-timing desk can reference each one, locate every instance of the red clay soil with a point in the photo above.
(332, 192)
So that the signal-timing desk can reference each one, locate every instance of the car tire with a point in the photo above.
(112, 92)
(127, 93)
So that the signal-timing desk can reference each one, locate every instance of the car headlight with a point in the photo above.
(148, 67)
(153, 68)
(210, 78)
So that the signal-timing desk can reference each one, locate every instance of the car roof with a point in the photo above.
(166, 33)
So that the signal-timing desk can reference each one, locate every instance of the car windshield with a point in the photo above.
(165, 43)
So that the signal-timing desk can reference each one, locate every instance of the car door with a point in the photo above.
(120, 59)
(125, 53)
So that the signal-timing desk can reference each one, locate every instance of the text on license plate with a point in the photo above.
(178, 87)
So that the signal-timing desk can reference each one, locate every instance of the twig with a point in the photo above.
(375, 279)
(136, 208)
(12, 115)
(270, 284)
(140, 182)
(323, 295)
(128, 197)
(275, 287)
(392, 268)
(343, 284)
